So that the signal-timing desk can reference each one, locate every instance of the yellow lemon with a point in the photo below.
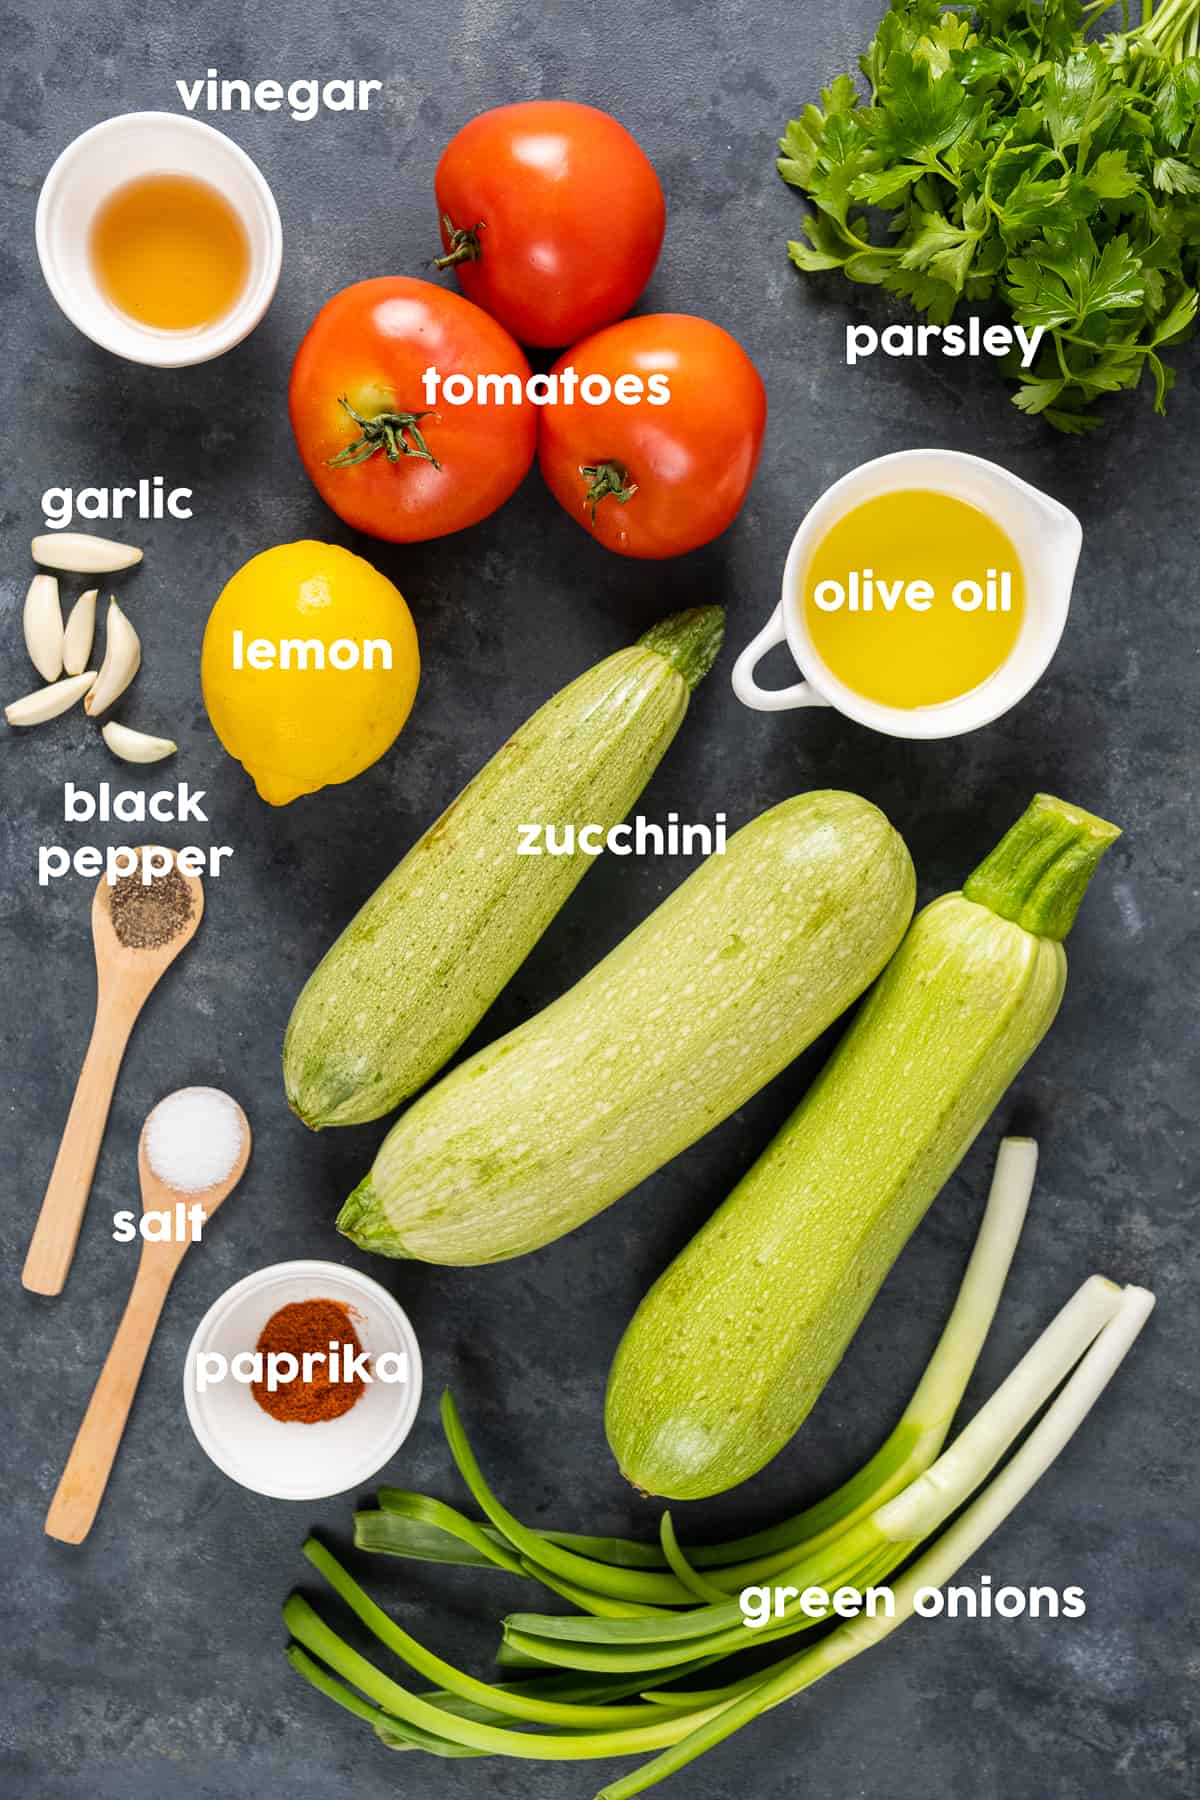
(309, 667)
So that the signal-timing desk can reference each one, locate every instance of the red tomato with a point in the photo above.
(385, 460)
(552, 217)
(656, 480)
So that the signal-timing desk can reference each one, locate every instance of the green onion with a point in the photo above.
(702, 1588)
(645, 1587)
(408, 1524)
(683, 1735)
(639, 1623)
(309, 1630)
(932, 1570)
(599, 1605)
(330, 1686)
(433, 1532)
(874, 1546)
(514, 1702)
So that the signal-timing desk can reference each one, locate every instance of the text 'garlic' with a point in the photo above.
(122, 660)
(81, 630)
(78, 553)
(136, 746)
(44, 627)
(49, 702)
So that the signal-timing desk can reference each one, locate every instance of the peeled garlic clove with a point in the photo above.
(78, 553)
(49, 702)
(81, 629)
(122, 660)
(44, 627)
(136, 746)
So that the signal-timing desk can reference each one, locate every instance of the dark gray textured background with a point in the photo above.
(149, 1662)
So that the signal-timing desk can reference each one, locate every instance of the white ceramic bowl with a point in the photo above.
(295, 1461)
(1046, 537)
(118, 151)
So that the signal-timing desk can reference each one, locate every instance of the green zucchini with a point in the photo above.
(418, 966)
(734, 1342)
(733, 975)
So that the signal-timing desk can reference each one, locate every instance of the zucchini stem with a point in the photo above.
(1039, 871)
(690, 641)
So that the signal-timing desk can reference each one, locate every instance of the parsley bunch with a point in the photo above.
(1011, 157)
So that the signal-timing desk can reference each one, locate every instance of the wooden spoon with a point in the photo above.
(81, 1489)
(124, 979)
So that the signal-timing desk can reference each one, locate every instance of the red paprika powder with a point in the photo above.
(315, 1328)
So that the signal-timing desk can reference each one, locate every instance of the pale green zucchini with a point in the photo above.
(734, 1342)
(418, 966)
(732, 976)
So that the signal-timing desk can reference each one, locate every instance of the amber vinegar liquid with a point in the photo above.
(170, 251)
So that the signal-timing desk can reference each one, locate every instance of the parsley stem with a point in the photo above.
(864, 244)
(1166, 28)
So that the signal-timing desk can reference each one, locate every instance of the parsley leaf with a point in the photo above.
(945, 250)
(1110, 177)
(1179, 318)
(1175, 177)
(1003, 151)
(1036, 396)
(921, 115)
(1039, 295)
(885, 187)
(1177, 100)
(1076, 98)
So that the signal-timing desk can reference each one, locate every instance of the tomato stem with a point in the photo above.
(607, 478)
(390, 432)
(463, 244)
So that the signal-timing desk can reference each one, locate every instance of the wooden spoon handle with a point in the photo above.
(77, 1499)
(57, 1230)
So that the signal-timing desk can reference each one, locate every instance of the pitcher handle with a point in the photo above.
(802, 693)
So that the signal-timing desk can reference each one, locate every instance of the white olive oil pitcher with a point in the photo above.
(1046, 536)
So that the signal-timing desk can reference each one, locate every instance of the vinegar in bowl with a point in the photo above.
(170, 252)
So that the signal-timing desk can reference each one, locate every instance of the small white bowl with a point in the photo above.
(1046, 537)
(118, 151)
(294, 1461)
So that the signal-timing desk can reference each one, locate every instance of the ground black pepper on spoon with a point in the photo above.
(138, 929)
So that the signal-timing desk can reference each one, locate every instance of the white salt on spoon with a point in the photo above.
(193, 1138)
(202, 1140)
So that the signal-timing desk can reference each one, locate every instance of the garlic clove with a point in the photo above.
(49, 702)
(136, 746)
(78, 553)
(44, 627)
(122, 660)
(81, 630)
